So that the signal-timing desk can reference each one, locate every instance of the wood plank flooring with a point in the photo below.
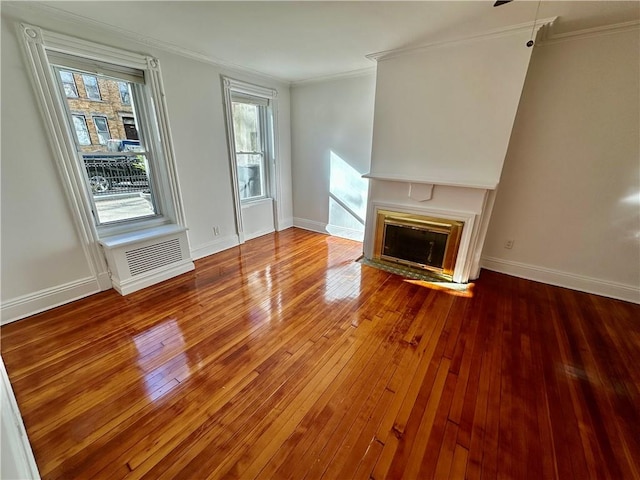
(284, 358)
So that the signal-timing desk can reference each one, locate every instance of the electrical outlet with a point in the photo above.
(216, 231)
(508, 244)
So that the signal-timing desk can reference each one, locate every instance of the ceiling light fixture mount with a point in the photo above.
(531, 42)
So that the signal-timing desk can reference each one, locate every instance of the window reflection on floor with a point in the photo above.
(342, 277)
(162, 359)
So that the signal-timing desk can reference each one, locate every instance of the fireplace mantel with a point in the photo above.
(430, 181)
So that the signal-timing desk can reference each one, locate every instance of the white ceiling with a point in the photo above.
(294, 41)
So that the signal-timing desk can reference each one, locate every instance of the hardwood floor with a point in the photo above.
(284, 358)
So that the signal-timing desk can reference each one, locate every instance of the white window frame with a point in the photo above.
(265, 146)
(271, 161)
(37, 43)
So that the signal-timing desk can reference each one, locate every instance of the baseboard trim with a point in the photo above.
(581, 283)
(328, 229)
(27, 305)
(251, 236)
(310, 225)
(285, 223)
(344, 232)
(216, 246)
(153, 277)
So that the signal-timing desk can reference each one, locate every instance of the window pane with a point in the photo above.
(120, 186)
(246, 127)
(130, 129)
(69, 84)
(125, 96)
(250, 175)
(117, 169)
(82, 133)
(102, 129)
(91, 86)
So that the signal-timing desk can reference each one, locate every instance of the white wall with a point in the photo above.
(42, 259)
(444, 114)
(332, 124)
(39, 246)
(570, 189)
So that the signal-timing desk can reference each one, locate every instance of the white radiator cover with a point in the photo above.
(141, 259)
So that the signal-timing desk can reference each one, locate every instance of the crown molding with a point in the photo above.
(495, 33)
(136, 37)
(591, 32)
(361, 72)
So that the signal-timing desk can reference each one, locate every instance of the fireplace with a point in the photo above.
(418, 241)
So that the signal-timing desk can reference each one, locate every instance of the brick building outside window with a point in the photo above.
(99, 99)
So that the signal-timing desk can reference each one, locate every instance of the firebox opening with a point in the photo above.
(418, 241)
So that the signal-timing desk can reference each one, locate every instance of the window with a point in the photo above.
(69, 84)
(82, 132)
(91, 87)
(141, 172)
(118, 171)
(130, 129)
(249, 129)
(125, 96)
(102, 129)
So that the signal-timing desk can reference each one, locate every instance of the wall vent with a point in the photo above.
(144, 259)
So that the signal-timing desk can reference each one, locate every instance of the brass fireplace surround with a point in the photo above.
(452, 228)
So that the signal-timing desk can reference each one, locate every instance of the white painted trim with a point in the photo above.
(310, 225)
(259, 233)
(216, 246)
(285, 223)
(389, 177)
(345, 232)
(247, 88)
(487, 210)
(58, 132)
(496, 33)
(229, 86)
(48, 298)
(329, 229)
(628, 293)
(362, 72)
(15, 442)
(612, 29)
(233, 164)
(133, 284)
(132, 238)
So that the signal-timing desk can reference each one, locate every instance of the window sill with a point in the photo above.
(257, 201)
(130, 238)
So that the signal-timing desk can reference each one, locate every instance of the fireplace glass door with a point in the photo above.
(414, 245)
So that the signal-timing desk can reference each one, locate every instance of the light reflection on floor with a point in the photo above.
(342, 276)
(162, 359)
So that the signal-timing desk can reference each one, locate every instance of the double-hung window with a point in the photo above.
(69, 84)
(91, 87)
(119, 172)
(125, 96)
(102, 129)
(82, 132)
(250, 131)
